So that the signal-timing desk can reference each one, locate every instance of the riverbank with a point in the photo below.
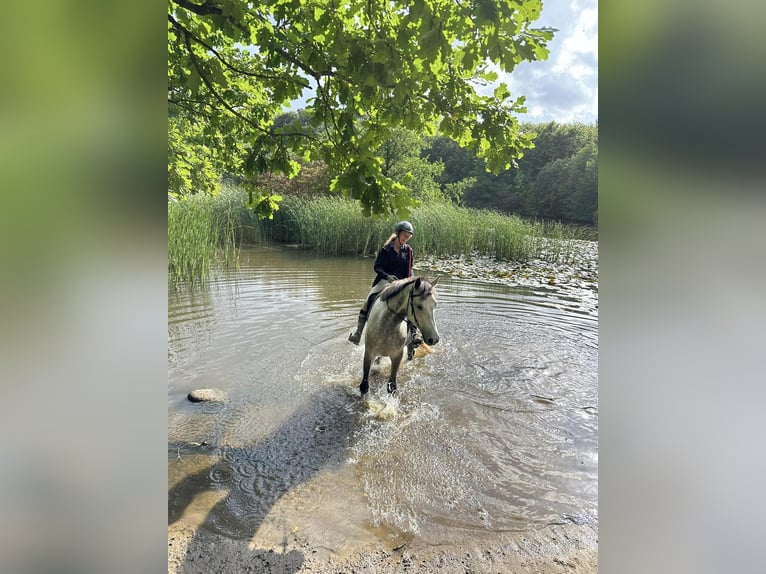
(557, 548)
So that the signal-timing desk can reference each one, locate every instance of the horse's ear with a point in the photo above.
(417, 283)
(435, 281)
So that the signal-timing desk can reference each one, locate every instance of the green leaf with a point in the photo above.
(379, 66)
(501, 91)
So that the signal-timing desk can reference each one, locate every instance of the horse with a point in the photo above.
(404, 301)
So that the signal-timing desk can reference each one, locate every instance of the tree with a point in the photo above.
(548, 177)
(459, 164)
(552, 188)
(372, 66)
(553, 141)
(582, 204)
(402, 163)
(455, 191)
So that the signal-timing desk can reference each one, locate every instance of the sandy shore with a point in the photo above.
(562, 547)
(556, 548)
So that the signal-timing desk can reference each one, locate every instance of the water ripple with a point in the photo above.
(496, 430)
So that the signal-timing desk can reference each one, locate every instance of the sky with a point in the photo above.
(563, 88)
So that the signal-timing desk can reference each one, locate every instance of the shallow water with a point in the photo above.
(495, 431)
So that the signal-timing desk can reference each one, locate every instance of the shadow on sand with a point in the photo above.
(254, 478)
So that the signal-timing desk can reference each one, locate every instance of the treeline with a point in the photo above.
(557, 179)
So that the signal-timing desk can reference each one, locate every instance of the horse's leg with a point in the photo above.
(395, 361)
(365, 385)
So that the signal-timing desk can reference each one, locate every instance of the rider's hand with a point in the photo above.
(392, 278)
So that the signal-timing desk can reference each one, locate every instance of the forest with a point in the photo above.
(556, 179)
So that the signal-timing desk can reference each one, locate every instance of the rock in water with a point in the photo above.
(207, 395)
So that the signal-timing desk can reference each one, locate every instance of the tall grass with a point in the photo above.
(332, 225)
(205, 232)
(445, 229)
(336, 226)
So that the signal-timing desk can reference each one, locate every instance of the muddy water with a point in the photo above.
(494, 431)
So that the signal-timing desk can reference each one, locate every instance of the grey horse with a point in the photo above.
(407, 300)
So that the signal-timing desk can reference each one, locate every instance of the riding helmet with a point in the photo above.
(405, 226)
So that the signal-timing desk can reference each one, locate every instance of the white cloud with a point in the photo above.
(577, 54)
(563, 88)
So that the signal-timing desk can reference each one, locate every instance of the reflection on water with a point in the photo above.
(496, 430)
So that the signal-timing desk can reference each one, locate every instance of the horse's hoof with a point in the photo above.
(364, 387)
(391, 387)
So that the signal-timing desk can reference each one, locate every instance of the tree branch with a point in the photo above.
(214, 92)
(189, 106)
(226, 105)
(180, 27)
(209, 8)
(201, 9)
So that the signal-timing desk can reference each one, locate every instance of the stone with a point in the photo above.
(207, 395)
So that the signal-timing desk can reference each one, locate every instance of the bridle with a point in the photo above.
(410, 305)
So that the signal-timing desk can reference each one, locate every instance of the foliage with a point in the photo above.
(455, 191)
(557, 179)
(232, 66)
(555, 141)
(402, 163)
(311, 180)
(550, 187)
(458, 163)
(563, 171)
(582, 201)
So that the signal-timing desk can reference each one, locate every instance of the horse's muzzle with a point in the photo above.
(433, 340)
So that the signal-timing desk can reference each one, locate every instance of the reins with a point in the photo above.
(410, 303)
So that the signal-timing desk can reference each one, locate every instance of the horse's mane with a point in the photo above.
(393, 289)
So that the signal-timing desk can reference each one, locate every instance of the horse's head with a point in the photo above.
(421, 309)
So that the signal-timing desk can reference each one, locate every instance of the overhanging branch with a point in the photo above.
(181, 28)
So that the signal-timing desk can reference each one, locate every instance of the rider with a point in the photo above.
(394, 262)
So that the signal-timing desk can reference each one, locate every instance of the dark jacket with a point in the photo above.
(389, 262)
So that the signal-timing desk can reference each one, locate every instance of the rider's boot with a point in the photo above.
(356, 336)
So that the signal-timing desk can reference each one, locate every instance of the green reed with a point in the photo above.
(205, 232)
(332, 225)
(336, 226)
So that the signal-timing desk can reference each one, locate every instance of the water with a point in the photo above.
(495, 431)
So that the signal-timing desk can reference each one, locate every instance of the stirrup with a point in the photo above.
(354, 339)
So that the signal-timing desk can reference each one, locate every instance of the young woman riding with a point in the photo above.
(394, 262)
